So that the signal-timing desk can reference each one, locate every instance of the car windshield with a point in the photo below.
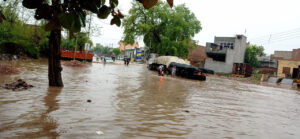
(108, 58)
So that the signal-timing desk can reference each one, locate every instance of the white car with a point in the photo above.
(108, 60)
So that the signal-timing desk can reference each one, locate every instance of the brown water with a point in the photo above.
(132, 102)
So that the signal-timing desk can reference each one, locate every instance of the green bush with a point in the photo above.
(32, 52)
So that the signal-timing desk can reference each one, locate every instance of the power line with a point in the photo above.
(278, 34)
(276, 37)
(278, 40)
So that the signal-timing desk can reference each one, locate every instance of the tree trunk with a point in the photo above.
(54, 68)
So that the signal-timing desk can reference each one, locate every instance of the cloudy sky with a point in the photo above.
(275, 24)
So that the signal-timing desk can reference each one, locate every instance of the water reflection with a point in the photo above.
(46, 124)
(155, 108)
(133, 102)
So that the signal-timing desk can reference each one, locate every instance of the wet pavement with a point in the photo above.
(133, 102)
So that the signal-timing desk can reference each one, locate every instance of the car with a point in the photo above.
(108, 60)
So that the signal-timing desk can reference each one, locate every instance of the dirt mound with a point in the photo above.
(18, 85)
(8, 69)
(74, 63)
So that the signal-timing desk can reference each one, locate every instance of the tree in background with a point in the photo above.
(14, 32)
(82, 39)
(165, 31)
(252, 52)
(100, 49)
(71, 14)
(116, 51)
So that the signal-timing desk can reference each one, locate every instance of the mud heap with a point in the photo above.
(18, 85)
(74, 63)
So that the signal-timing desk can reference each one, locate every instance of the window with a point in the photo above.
(286, 70)
(226, 45)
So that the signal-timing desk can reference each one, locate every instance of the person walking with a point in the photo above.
(127, 63)
(173, 71)
(160, 70)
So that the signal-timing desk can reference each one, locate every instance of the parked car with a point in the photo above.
(182, 67)
(108, 60)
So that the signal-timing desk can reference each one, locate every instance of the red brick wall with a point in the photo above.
(267, 70)
(296, 54)
(197, 55)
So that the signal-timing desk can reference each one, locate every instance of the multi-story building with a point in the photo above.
(224, 52)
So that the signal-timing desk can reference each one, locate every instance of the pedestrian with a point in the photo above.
(173, 71)
(160, 70)
(127, 62)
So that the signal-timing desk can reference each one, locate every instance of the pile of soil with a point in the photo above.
(8, 69)
(18, 85)
(74, 63)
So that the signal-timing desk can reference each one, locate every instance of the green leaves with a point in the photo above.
(113, 3)
(150, 3)
(32, 4)
(116, 20)
(91, 5)
(252, 51)
(104, 11)
(72, 21)
(165, 31)
(43, 12)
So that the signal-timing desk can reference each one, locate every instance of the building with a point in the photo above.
(224, 52)
(123, 46)
(129, 50)
(280, 55)
(197, 56)
(267, 65)
(289, 67)
(296, 54)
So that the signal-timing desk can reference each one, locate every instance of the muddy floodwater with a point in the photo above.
(133, 102)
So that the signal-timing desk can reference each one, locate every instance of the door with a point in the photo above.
(295, 73)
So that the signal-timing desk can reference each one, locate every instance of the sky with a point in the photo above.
(274, 24)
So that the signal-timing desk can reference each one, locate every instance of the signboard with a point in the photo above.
(138, 54)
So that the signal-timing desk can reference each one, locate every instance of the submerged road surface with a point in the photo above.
(132, 102)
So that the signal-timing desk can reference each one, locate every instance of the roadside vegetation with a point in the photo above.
(252, 52)
(18, 37)
(165, 31)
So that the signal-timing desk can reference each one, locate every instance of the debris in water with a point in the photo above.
(74, 63)
(187, 111)
(18, 85)
(99, 132)
(89, 100)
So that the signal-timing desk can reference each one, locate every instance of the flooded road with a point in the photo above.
(132, 102)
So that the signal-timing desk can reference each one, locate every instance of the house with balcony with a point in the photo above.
(225, 51)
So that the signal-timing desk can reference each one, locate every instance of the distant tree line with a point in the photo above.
(100, 49)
